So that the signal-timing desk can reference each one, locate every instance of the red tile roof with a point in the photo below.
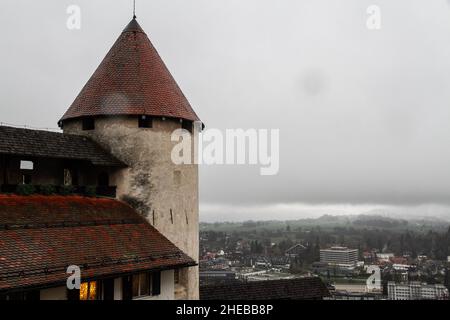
(131, 80)
(285, 289)
(41, 235)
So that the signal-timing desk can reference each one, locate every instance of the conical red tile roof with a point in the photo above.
(131, 80)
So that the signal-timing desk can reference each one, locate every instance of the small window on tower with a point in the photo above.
(88, 123)
(187, 125)
(145, 122)
(177, 177)
(177, 276)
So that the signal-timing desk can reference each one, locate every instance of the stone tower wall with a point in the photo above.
(165, 193)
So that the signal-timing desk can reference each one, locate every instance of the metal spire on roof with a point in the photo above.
(134, 9)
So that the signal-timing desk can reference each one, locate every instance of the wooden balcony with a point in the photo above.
(102, 191)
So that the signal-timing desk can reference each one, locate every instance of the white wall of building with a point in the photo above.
(416, 291)
(167, 289)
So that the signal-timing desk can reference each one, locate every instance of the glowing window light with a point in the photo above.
(92, 290)
(88, 290)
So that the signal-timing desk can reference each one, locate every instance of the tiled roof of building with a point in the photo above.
(38, 143)
(296, 249)
(131, 80)
(286, 289)
(40, 236)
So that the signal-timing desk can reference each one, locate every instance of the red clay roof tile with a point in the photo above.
(311, 288)
(41, 235)
(131, 80)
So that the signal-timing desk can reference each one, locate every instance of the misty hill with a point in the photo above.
(363, 221)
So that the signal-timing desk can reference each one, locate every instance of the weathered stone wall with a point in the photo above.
(165, 193)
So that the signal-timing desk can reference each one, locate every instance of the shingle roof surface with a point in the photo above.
(37, 143)
(41, 235)
(286, 289)
(131, 80)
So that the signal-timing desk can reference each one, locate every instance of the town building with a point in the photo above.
(416, 291)
(104, 195)
(296, 251)
(345, 295)
(339, 256)
(384, 257)
(333, 270)
(210, 277)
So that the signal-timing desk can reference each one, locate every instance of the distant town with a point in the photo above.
(356, 257)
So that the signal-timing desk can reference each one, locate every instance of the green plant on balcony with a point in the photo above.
(91, 191)
(67, 190)
(47, 190)
(25, 189)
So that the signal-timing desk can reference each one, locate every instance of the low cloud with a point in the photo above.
(363, 114)
(210, 212)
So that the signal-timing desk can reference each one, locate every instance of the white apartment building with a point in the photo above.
(384, 256)
(416, 291)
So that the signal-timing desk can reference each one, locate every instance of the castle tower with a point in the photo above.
(130, 106)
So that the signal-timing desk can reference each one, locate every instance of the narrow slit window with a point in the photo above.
(177, 276)
(177, 177)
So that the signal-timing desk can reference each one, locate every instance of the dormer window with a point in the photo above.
(145, 122)
(88, 123)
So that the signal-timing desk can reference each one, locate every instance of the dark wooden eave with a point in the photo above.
(46, 144)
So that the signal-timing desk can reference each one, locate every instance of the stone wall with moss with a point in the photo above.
(165, 193)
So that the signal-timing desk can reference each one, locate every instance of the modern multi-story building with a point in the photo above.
(416, 291)
(339, 256)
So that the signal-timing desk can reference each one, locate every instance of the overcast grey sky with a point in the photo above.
(363, 114)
